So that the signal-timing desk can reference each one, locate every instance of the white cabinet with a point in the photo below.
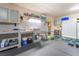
(9, 15)
(4, 14)
(14, 15)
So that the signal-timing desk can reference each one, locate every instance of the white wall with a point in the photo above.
(27, 25)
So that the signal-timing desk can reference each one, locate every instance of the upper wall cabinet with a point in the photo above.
(9, 15)
(4, 14)
(14, 15)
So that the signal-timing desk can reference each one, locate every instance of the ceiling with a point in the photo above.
(53, 9)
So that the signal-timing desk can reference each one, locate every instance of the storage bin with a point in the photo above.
(24, 42)
(3, 43)
(13, 41)
(50, 37)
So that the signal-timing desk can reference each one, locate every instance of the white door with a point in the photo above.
(77, 32)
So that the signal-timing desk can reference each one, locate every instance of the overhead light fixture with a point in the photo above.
(74, 8)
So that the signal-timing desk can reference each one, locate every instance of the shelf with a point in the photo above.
(36, 41)
(26, 31)
(12, 38)
(8, 32)
(1, 49)
(9, 22)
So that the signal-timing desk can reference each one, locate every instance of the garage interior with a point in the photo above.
(39, 29)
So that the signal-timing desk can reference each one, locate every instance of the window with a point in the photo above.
(34, 23)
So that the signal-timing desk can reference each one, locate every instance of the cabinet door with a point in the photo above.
(4, 14)
(14, 16)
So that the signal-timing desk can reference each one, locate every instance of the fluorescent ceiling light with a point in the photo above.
(34, 20)
(74, 8)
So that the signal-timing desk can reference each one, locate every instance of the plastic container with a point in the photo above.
(3, 43)
(50, 37)
(24, 42)
(6, 43)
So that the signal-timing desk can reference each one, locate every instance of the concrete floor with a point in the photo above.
(53, 48)
(48, 48)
